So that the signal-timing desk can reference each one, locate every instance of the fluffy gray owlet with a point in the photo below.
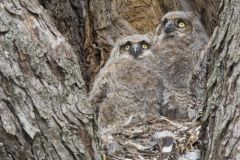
(180, 40)
(127, 89)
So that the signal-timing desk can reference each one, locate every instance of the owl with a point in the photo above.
(180, 39)
(127, 89)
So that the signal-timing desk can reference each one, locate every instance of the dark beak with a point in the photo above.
(169, 26)
(136, 50)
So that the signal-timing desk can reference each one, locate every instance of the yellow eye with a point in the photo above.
(144, 46)
(181, 24)
(127, 47)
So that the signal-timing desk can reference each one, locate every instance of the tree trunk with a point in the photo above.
(223, 88)
(44, 113)
(51, 50)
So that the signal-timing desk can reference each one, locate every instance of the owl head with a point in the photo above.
(134, 46)
(179, 24)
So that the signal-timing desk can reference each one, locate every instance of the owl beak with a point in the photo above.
(169, 27)
(136, 50)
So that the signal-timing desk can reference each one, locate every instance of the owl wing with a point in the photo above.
(101, 83)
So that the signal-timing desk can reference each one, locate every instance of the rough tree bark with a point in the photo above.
(44, 113)
(68, 17)
(47, 45)
(223, 98)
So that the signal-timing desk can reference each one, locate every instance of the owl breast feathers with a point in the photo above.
(180, 40)
(128, 88)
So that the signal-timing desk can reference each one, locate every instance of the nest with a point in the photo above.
(148, 141)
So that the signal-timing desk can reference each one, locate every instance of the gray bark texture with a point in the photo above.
(223, 87)
(44, 113)
(51, 50)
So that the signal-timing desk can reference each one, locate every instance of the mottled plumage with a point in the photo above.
(127, 89)
(180, 40)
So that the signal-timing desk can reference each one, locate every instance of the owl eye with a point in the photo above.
(127, 47)
(181, 23)
(144, 46)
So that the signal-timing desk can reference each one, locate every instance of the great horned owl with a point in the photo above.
(180, 40)
(127, 89)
